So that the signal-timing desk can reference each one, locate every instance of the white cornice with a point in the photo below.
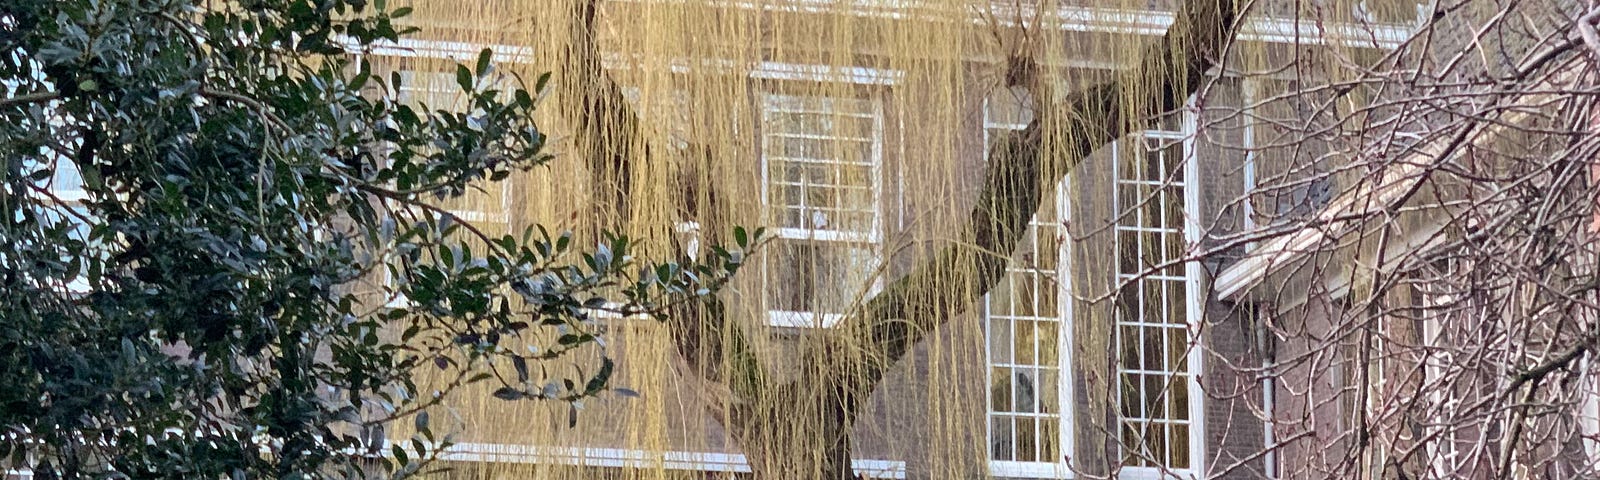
(632, 458)
(1090, 19)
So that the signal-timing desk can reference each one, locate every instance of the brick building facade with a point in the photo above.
(1105, 349)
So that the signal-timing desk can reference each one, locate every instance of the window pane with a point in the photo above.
(1152, 353)
(1153, 396)
(1156, 441)
(1049, 440)
(1047, 255)
(1046, 293)
(1049, 339)
(1025, 291)
(1026, 353)
(1128, 252)
(1000, 438)
(1172, 208)
(1050, 391)
(1027, 444)
(1000, 341)
(1177, 350)
(1000, 389)
(1132, 441)
(1128, 343)
(856, 198)
(1175, 251)
(1000, 297)
(1130, 396)
(1180, 446)
(1026, 397)
(817, 276)
(1179, 398)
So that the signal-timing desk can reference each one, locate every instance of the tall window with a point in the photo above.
(1025, 326)
(1155, 307)
(822, 169)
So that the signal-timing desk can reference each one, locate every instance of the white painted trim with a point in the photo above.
(1193, 233)
(788, 319)
(1011, 469)
(1063, 314)
(1269, 433)
(1097, 20)
(822, 235)
(458, 51)
(766, 70)
(1589, 411)
(1247, 95)
(633, 458)
(1064, 305)
(1438, 451)
(791, 319)
(1348, 210)
(825, 73)
(1193, 273)
(1152, 473)
(475, 216)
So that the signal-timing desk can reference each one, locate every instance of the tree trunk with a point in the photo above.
(801, 433)
(801, 429)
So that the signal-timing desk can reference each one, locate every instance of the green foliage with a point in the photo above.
(192, 196)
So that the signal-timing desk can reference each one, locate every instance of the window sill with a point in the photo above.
(1152, 473)
(1014, 469)
(787, 319)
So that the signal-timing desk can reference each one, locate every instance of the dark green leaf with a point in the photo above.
(464, 78)
(521, 365)
(483, 62)
(508, 393)
(399, 454)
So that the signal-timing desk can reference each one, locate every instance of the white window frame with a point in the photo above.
(1193, 290)
(1589, 412)
(1441, 453)
(873, 237)
(1064, 340)
(1193, 271)
(1091, 19)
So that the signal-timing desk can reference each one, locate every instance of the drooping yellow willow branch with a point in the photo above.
(879, 333)
(664, 114)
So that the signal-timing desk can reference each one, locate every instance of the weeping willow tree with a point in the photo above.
(659, 104)
(991, 227)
